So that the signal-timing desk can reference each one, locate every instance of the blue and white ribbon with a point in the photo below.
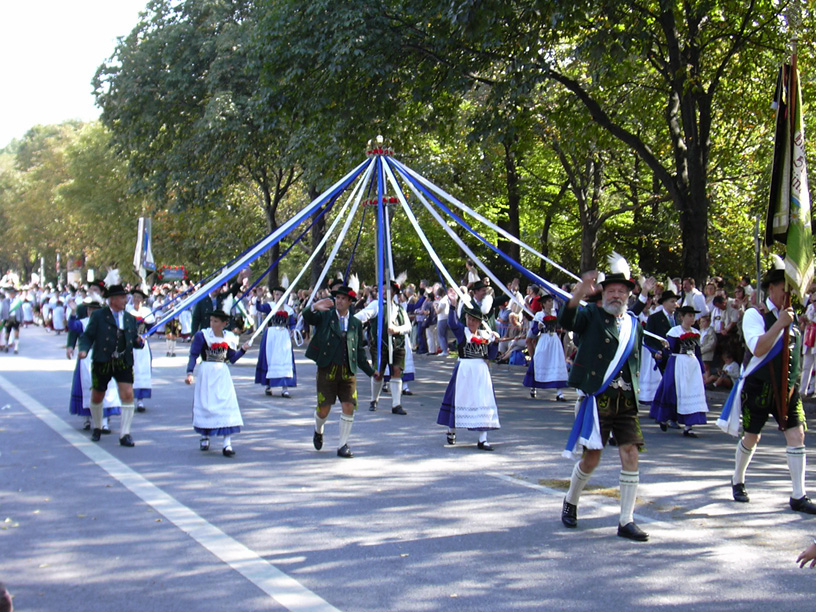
(729, 420)
(586, 430)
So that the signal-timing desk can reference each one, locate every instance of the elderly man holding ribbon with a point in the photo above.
(605, 372)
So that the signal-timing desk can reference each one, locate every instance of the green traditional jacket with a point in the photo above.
(101, 335)
(597, 346)
(326, 345)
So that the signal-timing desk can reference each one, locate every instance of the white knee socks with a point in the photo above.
(346, 421)
(319, 423)
(376, 388)
(741, 461)
(96, 415)
(628, 492)
(796, 465)
(577, 483)
(396, 392)
(127, 419)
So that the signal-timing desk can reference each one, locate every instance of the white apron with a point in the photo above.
(215, 403)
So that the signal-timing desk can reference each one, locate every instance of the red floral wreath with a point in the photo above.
(689, 336)
(219, 346)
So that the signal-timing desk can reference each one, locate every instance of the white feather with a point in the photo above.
(778, 262)
(618, 265)
(670, 286)
(112, 278)
(285, 282)
(601, 277)
(400, 280)
(354, 283)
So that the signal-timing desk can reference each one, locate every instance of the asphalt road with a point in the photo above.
(409, 524)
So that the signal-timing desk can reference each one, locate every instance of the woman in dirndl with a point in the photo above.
(809, 345)
(548, 367)
(215, 405)
(276, 357)
(469, 400)
(680, 396)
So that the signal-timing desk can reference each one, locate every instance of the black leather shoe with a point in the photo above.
(372, 406)
(96, 436)
(126, 440)
(398, 410)
(803, 504)
(86, 426)
(285, 394)
(345, 451)
(228, 452)
(268, 391)
(631, 531)
(690, 434)
(532, 393)
(451, 437)
(739, 492)
(663, 427)
(204, 444)
(317, 440)
(407, 392)
(106, 429)
(560, 398)
(569, 515)
(485, 446)
(140, 408)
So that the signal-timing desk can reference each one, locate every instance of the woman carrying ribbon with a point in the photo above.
(469, 400)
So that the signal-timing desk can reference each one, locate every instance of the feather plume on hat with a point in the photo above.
(354, 283)
(670, 286)
(618, 265)
(400, 280)
(778, 262)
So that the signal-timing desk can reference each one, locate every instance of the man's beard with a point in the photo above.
(615, 309)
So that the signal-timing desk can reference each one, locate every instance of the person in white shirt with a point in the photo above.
(691, 296)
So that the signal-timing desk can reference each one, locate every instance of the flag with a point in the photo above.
(143, 257)
(789, 217)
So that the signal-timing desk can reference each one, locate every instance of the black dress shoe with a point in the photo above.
(569, 515)
(345, 451)
(140, 408)
(96, 436)
(560, 398)
(285, 394)
(485, 446)
(86, 426)
(663, 427)
(532, 393)
(106, 429)
(228, 452)
(204, 444)
(126, 440)
(372, 406)
(317, 440)
(398, 410)
(739, 492)
(630, 531)
(690, 434)
(803, 504)
(268, 391)
(407, 392)
(451, 437)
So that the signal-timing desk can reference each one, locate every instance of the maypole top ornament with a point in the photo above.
(378, 146)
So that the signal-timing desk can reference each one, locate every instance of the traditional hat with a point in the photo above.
(279, 288)
(686, 310)
(115, 290)
(775, 273)
(220, 314)
(93, 302)
(480, 284)
(668, 294)
(473, 311)
(335, 282)
(344, 290)
(619, 272)
(545, 296)
(501, 299)
(138, 291)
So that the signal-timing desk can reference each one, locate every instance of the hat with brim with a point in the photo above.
(279, 288)
(97, 283)
(687, 310)
(115, 290)
(473, 311)
(220, 314)
(480, 284)
(138, 291)
(618, 278)
(772, 276)
(502, 299)
(344, 290)
(667, 295)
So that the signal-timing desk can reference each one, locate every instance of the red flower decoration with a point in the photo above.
(549, 319)
(478, 340)
(689, 336)
(281, 313)
(217, 346)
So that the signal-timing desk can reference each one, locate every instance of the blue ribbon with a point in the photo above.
(585, 419)
(729, 403)
(380, 258)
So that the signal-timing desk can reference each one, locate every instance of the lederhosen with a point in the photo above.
(336, 382)
(759, 393)
(116, 367)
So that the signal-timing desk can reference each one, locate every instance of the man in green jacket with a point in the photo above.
(337, 349)
(112, 335)
(599, 359)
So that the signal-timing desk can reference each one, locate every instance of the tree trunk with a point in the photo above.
(316, 235)
(511, 223)
(589, 244)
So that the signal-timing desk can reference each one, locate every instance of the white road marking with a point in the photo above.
(284, 589)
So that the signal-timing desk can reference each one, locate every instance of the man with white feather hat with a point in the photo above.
(605, 372)
(761, 390)
(391, 348)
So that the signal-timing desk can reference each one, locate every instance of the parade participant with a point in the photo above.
(276, 356)
(142, 357)
(680, 396)
(691, 296)
(605, 369)
(483, 299)
(548, 366)
(395, 331)
(763, 391)
(469, 399)
(337, 349)
(203, 308)
(11, 314)
(111, 333)
(95, 288)
(57, 314)
(80, 403)
(215, 405)
(659, 323)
